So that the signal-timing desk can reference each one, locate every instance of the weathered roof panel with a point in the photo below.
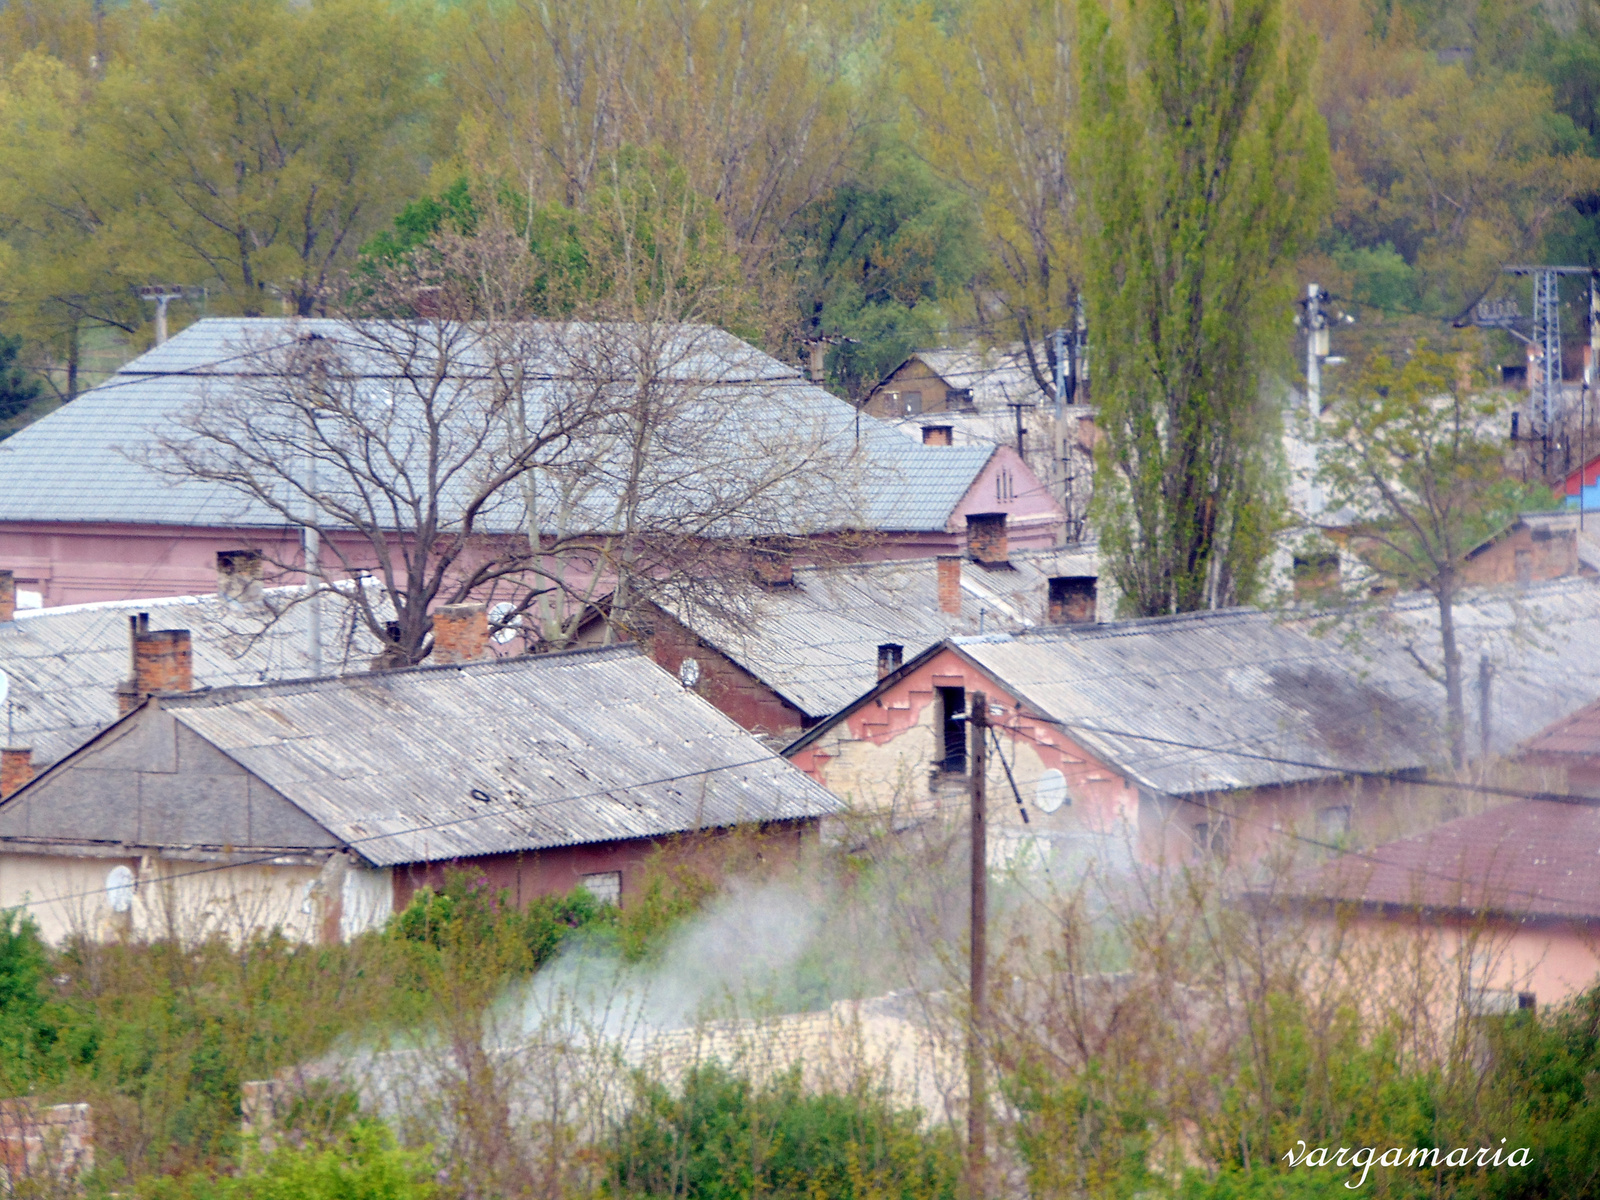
(584, 746)
(64, 664)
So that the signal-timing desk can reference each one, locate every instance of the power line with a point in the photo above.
(1365, 856)
(478, 816)
(1395, 776)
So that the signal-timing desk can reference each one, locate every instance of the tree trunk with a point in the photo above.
(1455, 712)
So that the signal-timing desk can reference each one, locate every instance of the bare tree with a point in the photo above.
(450, 445)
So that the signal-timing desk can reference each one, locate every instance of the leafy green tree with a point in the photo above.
(1204, 169)
(878, 260)
(1415, 473)
(18, 388)
(990, 84)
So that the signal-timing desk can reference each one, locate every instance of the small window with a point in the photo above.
(604, 886)
(1527, 1001)
(1211, 838)
(913, 403)
(1333, 823)
(1005, 487)
(953, 730)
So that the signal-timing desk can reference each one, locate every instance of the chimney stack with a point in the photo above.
(239, 576)
(163, 661)
(890, 656)
(986, 539)
(460, 633)
(949, 567)
(1072, 600)
(937, 435)
(8, 596)
(773, 568)
(16, 768)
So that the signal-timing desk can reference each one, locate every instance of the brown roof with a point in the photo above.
(1533, 858)
(1577, 734)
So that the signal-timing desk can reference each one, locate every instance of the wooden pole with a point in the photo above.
(977, 1086)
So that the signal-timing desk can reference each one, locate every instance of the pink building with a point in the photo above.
(1510, 899)
(85, 515)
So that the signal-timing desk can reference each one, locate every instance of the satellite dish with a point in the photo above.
(501, 614)
(5, 687)
(689, 672)
(1050, 793)
(119, 889)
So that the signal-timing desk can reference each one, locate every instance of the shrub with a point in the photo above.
(722, 1138)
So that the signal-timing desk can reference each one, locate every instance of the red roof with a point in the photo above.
(1589, 473)
(1533, 858)
(1577, 734)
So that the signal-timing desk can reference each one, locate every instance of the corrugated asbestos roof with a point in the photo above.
(89, 460)
(1533, 858)
(1182, 704)
(64, 664)
(816, 643)
(572, 748)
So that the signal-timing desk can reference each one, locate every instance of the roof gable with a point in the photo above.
(148, 782)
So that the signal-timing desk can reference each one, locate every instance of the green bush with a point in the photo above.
(467, 916)
(721, 1138)
(365, 1165)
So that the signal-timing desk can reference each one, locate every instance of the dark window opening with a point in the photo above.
(953, 729)
(1527, 1000)
(1072, 599)
(913, 402)
(1315, 576)
(1211, 838)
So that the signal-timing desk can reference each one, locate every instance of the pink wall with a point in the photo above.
(77, 564)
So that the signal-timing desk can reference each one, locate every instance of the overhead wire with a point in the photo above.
(424, 828)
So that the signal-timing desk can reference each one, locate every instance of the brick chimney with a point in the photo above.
(1072, 600)
(772, 568)
(986, 539)
(239, 575)
(460, 633)
(8, 596)
(890, 656)
(949, 567)
(16, 768)
(937, 435)
(163, 661)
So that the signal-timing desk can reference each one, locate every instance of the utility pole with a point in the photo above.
(1317, 348)
(977, 1086)
(163, 294)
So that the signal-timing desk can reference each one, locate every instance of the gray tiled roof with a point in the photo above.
(815, 643)
(1188, 704)
(572, 748)
(64, 664)
(88, 461)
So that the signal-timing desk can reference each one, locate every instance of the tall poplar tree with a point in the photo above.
(1204, 166)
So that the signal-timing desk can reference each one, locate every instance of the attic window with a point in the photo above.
(913, 402)
(1005, 487)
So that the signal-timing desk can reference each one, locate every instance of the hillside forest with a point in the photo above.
(870, 177)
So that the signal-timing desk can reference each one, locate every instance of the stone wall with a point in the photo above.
(47, 1146)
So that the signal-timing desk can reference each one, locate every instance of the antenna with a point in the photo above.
(163, 294)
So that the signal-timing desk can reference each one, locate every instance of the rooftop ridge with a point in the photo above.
(211, 697)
